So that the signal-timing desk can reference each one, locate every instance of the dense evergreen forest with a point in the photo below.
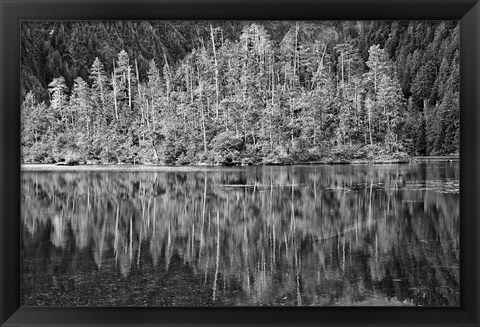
(238, 92)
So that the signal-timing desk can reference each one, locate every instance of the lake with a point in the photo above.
(326, 235)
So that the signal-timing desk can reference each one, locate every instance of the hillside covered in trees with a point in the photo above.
(238, 92)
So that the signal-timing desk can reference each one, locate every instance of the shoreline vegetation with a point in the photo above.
(345, 155)
(62, 166)
(269, 93)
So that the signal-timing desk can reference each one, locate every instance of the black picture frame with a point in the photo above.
(13, 12)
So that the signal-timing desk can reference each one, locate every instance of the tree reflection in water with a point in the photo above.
(299, 235)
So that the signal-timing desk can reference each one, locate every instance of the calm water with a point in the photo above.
(300, 235)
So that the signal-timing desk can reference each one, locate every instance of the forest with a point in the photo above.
(231, 93)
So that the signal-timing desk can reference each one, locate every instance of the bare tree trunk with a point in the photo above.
(370, 124)
(138, 90)
(244, 127)
(356, 107)
(295, 50)
(191, 84)
(155, 150)
(129, 87)
(114, 82)
(102, 96)
(292, 110)
(244, 91)
(270, 114)
(204, 133)
(167, 79)
(226, 119)
(217, 95)
(203, 118)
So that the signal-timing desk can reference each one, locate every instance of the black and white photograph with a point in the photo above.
(240, 163)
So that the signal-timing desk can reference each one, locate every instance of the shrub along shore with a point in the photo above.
(338, 155)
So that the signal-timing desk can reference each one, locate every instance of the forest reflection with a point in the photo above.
(298, 235)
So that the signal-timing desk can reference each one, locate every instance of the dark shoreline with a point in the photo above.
(201, 166)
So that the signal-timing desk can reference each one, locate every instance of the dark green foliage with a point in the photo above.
(226, 148)
(238, 92)
(66, 150)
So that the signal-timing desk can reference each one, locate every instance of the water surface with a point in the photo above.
(277, 236)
